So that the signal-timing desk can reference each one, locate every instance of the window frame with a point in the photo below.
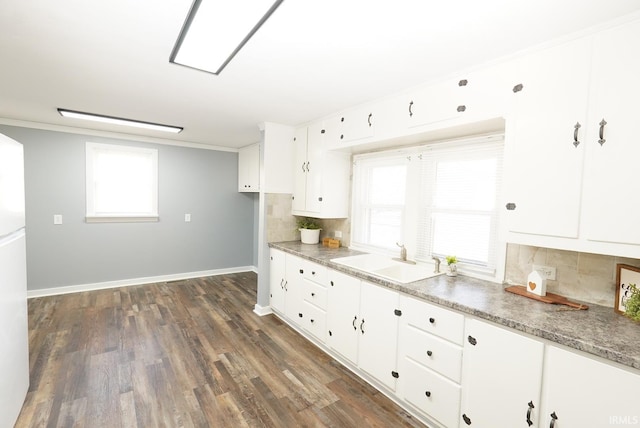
(92, 215)
(414, 208)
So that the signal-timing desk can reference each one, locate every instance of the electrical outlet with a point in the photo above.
(547, 272)
(187, 218)
(57, 219)
(337, 234)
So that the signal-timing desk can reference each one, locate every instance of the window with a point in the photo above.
(122, 183)
(438, 200)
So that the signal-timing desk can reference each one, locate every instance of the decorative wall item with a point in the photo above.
(627, 277)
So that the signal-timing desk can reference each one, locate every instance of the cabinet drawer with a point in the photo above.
(315, 272)
(432, 352)
(316, 294)
(315, 321)
(430, 393)
(433, 319)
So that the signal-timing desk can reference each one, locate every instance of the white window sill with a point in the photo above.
(122, 219)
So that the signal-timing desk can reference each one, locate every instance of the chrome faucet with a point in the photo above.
(403, 252)
(403, 255)
(437, 260)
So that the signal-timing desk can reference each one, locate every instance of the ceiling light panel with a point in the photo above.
(216, 30)
(118, 121)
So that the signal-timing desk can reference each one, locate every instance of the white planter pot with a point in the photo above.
(452, 270)
(309, 236)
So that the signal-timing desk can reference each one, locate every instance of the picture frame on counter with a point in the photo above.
(625, 276)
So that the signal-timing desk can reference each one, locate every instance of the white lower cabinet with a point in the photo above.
(501, 378)
(580, 391)
(430, 360)
(449, 370)
(362, 325)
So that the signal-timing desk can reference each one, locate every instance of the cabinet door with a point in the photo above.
(435, 103)
(277, 281)
(299, 170)
(543, 165)
(315, 157)
(502, 373)
(356, 124)
(249, 168)
(343, 314)
(294, 289)
(611, 176)
(378, 331)
(583, 392)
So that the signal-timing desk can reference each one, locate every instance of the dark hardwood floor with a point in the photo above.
(186, 354)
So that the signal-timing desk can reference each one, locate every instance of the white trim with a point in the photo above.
(53, 291)
(109, 134)
(262, 310)
(121, 219)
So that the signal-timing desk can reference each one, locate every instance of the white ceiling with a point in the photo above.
(310, 59)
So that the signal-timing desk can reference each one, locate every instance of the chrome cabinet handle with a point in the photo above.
(410, 107)
(362, 325)
(577, 126)
(602, 124)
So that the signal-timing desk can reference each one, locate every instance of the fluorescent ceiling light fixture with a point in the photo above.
(118, 121)
(216, 30)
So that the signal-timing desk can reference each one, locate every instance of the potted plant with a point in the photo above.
(632, 305)
(309, 230)
(452, 263)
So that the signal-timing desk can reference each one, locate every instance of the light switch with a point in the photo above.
(187, 218)
(57, 219)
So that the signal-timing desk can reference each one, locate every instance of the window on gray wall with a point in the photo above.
(122, 183)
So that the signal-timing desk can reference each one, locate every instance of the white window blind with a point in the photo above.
(380, 201)
(122, 183)
(459, 215)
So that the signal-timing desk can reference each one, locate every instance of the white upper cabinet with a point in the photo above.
(321, 177)
(356, 124)
(612, 182)
(434, 103)
(571, 149)
(544, 161)
(249, 168)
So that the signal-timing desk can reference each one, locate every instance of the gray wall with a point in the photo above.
(200, 182)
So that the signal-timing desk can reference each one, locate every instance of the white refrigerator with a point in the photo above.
(14, 336)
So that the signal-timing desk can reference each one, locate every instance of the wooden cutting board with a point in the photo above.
(552, 298)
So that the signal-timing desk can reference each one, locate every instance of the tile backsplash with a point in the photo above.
(281, 224)
(580, 276)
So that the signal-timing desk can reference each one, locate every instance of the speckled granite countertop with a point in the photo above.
(598, 330)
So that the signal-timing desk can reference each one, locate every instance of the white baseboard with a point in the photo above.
(134, 281)
(262, 310)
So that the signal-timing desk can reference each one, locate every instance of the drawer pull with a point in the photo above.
(312, 321)
(466, 419)
(395, 374)
(531, 407)
(410, 109)
(361, 326)
(285, 285)
(472, 340)
(313, 294)
(432, 320)
(427, 393)
(301, 270)
(353, 323)
(576, 142)
(300, 314)
(429, 353)
(554, 418)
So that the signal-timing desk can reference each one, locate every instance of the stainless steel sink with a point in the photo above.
(387, 268)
